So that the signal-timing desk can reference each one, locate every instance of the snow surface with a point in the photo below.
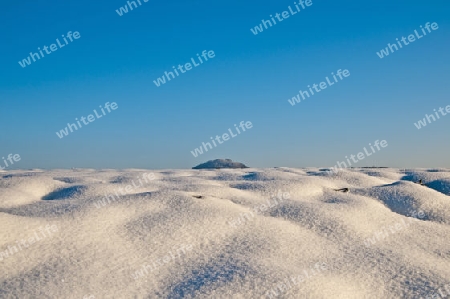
(230, 233)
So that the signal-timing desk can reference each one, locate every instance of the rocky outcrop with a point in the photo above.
(220, 163)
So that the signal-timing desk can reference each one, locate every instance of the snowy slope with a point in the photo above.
(231, 233)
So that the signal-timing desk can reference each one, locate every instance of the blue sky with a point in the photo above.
(250, 79)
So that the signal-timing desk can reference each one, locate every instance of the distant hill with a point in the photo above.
(220, 163)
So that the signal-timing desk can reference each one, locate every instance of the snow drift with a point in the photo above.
(230, 233)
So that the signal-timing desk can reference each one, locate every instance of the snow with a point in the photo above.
(228, 233)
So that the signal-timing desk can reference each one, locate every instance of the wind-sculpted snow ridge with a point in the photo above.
(225, 233)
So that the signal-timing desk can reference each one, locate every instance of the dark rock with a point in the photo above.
(219, 164)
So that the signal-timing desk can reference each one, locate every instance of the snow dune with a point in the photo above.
(229, 233)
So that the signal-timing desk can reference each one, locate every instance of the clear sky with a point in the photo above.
(250, 78)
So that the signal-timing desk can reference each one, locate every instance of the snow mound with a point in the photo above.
(442, 185)
(66, 193)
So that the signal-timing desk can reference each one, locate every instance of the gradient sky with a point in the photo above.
(251, 78)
